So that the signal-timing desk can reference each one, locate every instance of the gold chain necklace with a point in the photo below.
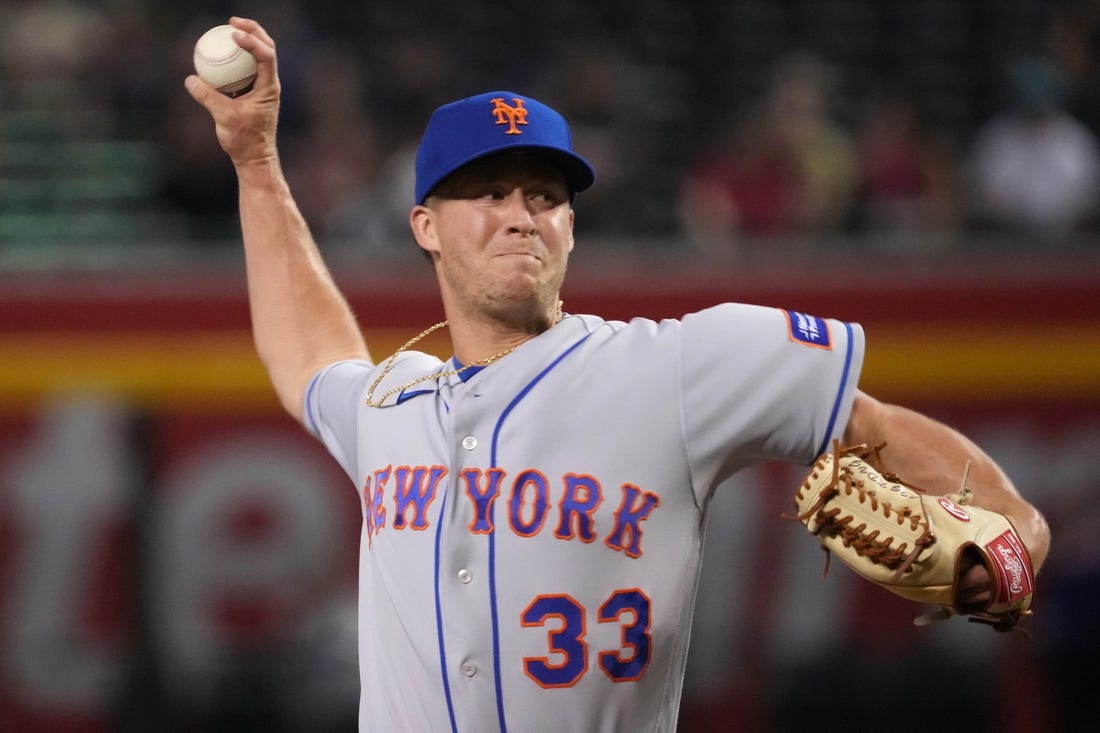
(371, 402)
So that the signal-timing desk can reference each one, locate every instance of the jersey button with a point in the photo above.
(469, 669)
(465, 575)
(469, 442)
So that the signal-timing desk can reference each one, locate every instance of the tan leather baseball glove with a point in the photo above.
(912, 543)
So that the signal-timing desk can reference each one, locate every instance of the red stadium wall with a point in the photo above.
(161, 520)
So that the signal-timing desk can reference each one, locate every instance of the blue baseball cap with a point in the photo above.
(469, 129)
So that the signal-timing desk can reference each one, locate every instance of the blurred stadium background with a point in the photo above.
(175, 555)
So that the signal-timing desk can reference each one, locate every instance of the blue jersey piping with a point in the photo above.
(492, 536)
(840, 393)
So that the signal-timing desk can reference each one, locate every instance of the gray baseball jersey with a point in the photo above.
(532, 532)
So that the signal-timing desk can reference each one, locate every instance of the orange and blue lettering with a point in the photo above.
(377, 508)
(538, 506)
(578, 503)
(632, 512)
(482, 498)
(368, 514)
(410, 491)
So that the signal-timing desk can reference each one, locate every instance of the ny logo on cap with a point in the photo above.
(510, 116)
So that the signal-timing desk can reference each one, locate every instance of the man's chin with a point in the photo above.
(525, 310)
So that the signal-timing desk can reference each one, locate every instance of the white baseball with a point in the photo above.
(221, 63)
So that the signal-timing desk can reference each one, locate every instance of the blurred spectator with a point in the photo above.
(95, 69)
(1035, 168)
(49, 42)
(1074, 41)
(198, 184)
(743, 187)
(129, 69)
(410, 71)
(617, 112)
(803, 90)
(906, 171)
(333, 165)
(786, 168)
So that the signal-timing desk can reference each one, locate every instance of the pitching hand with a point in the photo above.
(245, 125)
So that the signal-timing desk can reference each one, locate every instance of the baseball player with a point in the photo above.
(534, 507)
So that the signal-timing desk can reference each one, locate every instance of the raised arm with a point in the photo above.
(934, 456)
(300, 319)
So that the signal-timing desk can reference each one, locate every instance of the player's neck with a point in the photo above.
(474, 342)
(477, 337)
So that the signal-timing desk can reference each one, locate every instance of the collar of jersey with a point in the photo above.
(464, 376)
(467, 372)
(571, 322)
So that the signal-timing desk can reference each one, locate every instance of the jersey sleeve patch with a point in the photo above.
(808, 330)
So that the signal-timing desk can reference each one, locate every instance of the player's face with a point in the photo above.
(500, 231)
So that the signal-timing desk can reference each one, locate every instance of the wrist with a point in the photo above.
(1034, 533)
(258, 166)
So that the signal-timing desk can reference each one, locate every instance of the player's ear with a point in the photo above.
(572, 218)
(422, 222)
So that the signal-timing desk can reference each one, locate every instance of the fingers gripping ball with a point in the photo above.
(911, 543)
(221, 63)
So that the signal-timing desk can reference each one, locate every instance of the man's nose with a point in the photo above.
(520, 214)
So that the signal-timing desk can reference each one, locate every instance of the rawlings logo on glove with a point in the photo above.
(912, 544)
